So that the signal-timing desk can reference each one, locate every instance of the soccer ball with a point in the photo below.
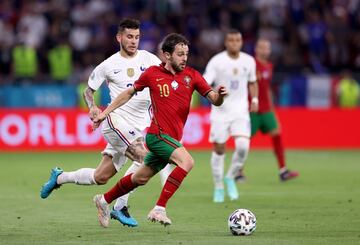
(242, 222)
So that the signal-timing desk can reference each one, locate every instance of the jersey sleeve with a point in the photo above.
(252, 72)
(142, 82)
(97, 77)
(210, 72)
(201, 85)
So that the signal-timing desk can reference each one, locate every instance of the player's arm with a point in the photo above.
(88, 96)
(254, 93)
(121, 99)
(217, 98)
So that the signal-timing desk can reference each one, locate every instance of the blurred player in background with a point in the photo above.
(236, 71)
(171, 87)
(123, 128)
(265, 119)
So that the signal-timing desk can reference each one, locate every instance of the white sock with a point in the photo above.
(123, 200)
(239, 156)
(160, 208)
(83, 176)
(217, 167)
(164, 173)
(103, 201)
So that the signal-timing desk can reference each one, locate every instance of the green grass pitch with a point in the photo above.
(322, 206)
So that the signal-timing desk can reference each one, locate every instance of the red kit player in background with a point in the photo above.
(171, 86)
(265, 119)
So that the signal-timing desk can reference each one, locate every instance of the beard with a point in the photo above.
(177, 67)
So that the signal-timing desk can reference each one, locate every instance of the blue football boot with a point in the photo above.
(49, 186)
(231, 189)
(219, 195)
(123, 217)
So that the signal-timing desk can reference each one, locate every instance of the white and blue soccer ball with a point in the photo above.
(242, 222)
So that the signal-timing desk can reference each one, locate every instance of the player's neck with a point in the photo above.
(170, 68)
(262, 60)
(233, 55)
(126, 55)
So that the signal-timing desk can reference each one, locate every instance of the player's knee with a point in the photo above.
(219, 149)
(100, 178)
(242, 147)
(141, 180)
(187, 163)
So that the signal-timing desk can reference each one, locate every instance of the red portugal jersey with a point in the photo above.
(264, 72)
(170, 97)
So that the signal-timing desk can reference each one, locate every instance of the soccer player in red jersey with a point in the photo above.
(265, 119)
(171, 86)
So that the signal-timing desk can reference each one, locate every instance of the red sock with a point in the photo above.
(171, 185)
(122, 187)
(279, 150)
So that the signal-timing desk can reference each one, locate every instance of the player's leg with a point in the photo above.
(164, 173)
(136, 152)
(255, 126)
(172, 151)
(219, 134)
(83, 176)
(271, 126)
(240, 130)
(128, 142)
(122, 187)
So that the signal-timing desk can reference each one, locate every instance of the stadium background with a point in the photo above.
(47, 51)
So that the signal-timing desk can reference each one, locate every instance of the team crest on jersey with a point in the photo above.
(235, 71)
(130, 72)
(174, 85)
(187, 81)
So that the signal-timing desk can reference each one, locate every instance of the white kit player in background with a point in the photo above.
(123, 129)
(236, 71)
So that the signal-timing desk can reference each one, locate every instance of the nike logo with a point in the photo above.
(116, 72)
(159, 79)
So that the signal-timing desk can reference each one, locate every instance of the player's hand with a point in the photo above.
(254, 106)
(94, 112)
(97, 120)
(222, 91)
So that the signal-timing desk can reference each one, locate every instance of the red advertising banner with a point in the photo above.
(70, 129)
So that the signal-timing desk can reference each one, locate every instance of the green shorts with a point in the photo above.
(266, 122)
(161, 147)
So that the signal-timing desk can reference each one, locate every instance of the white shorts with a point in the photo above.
(221, 131)
(119, 134)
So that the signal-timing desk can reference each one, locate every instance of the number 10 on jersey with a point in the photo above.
(164, 90)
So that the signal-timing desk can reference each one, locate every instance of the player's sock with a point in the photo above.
(279, 151)
(122, 187)
(239, 156)
(217, 167)
(171, 185)
(83, 176)
(123, 200)
(164, 173)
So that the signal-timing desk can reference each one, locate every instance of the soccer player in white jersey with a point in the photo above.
(236, 71)
(123, 128)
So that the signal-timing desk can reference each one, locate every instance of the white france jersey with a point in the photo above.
(234, 74)
(121, 73)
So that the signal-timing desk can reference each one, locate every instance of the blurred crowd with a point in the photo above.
(62, 40)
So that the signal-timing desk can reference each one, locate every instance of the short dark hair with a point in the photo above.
(129, 24)
(232, 31)
(171, 40)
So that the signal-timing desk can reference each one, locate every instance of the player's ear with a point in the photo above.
(167, 55)
(118, 37)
